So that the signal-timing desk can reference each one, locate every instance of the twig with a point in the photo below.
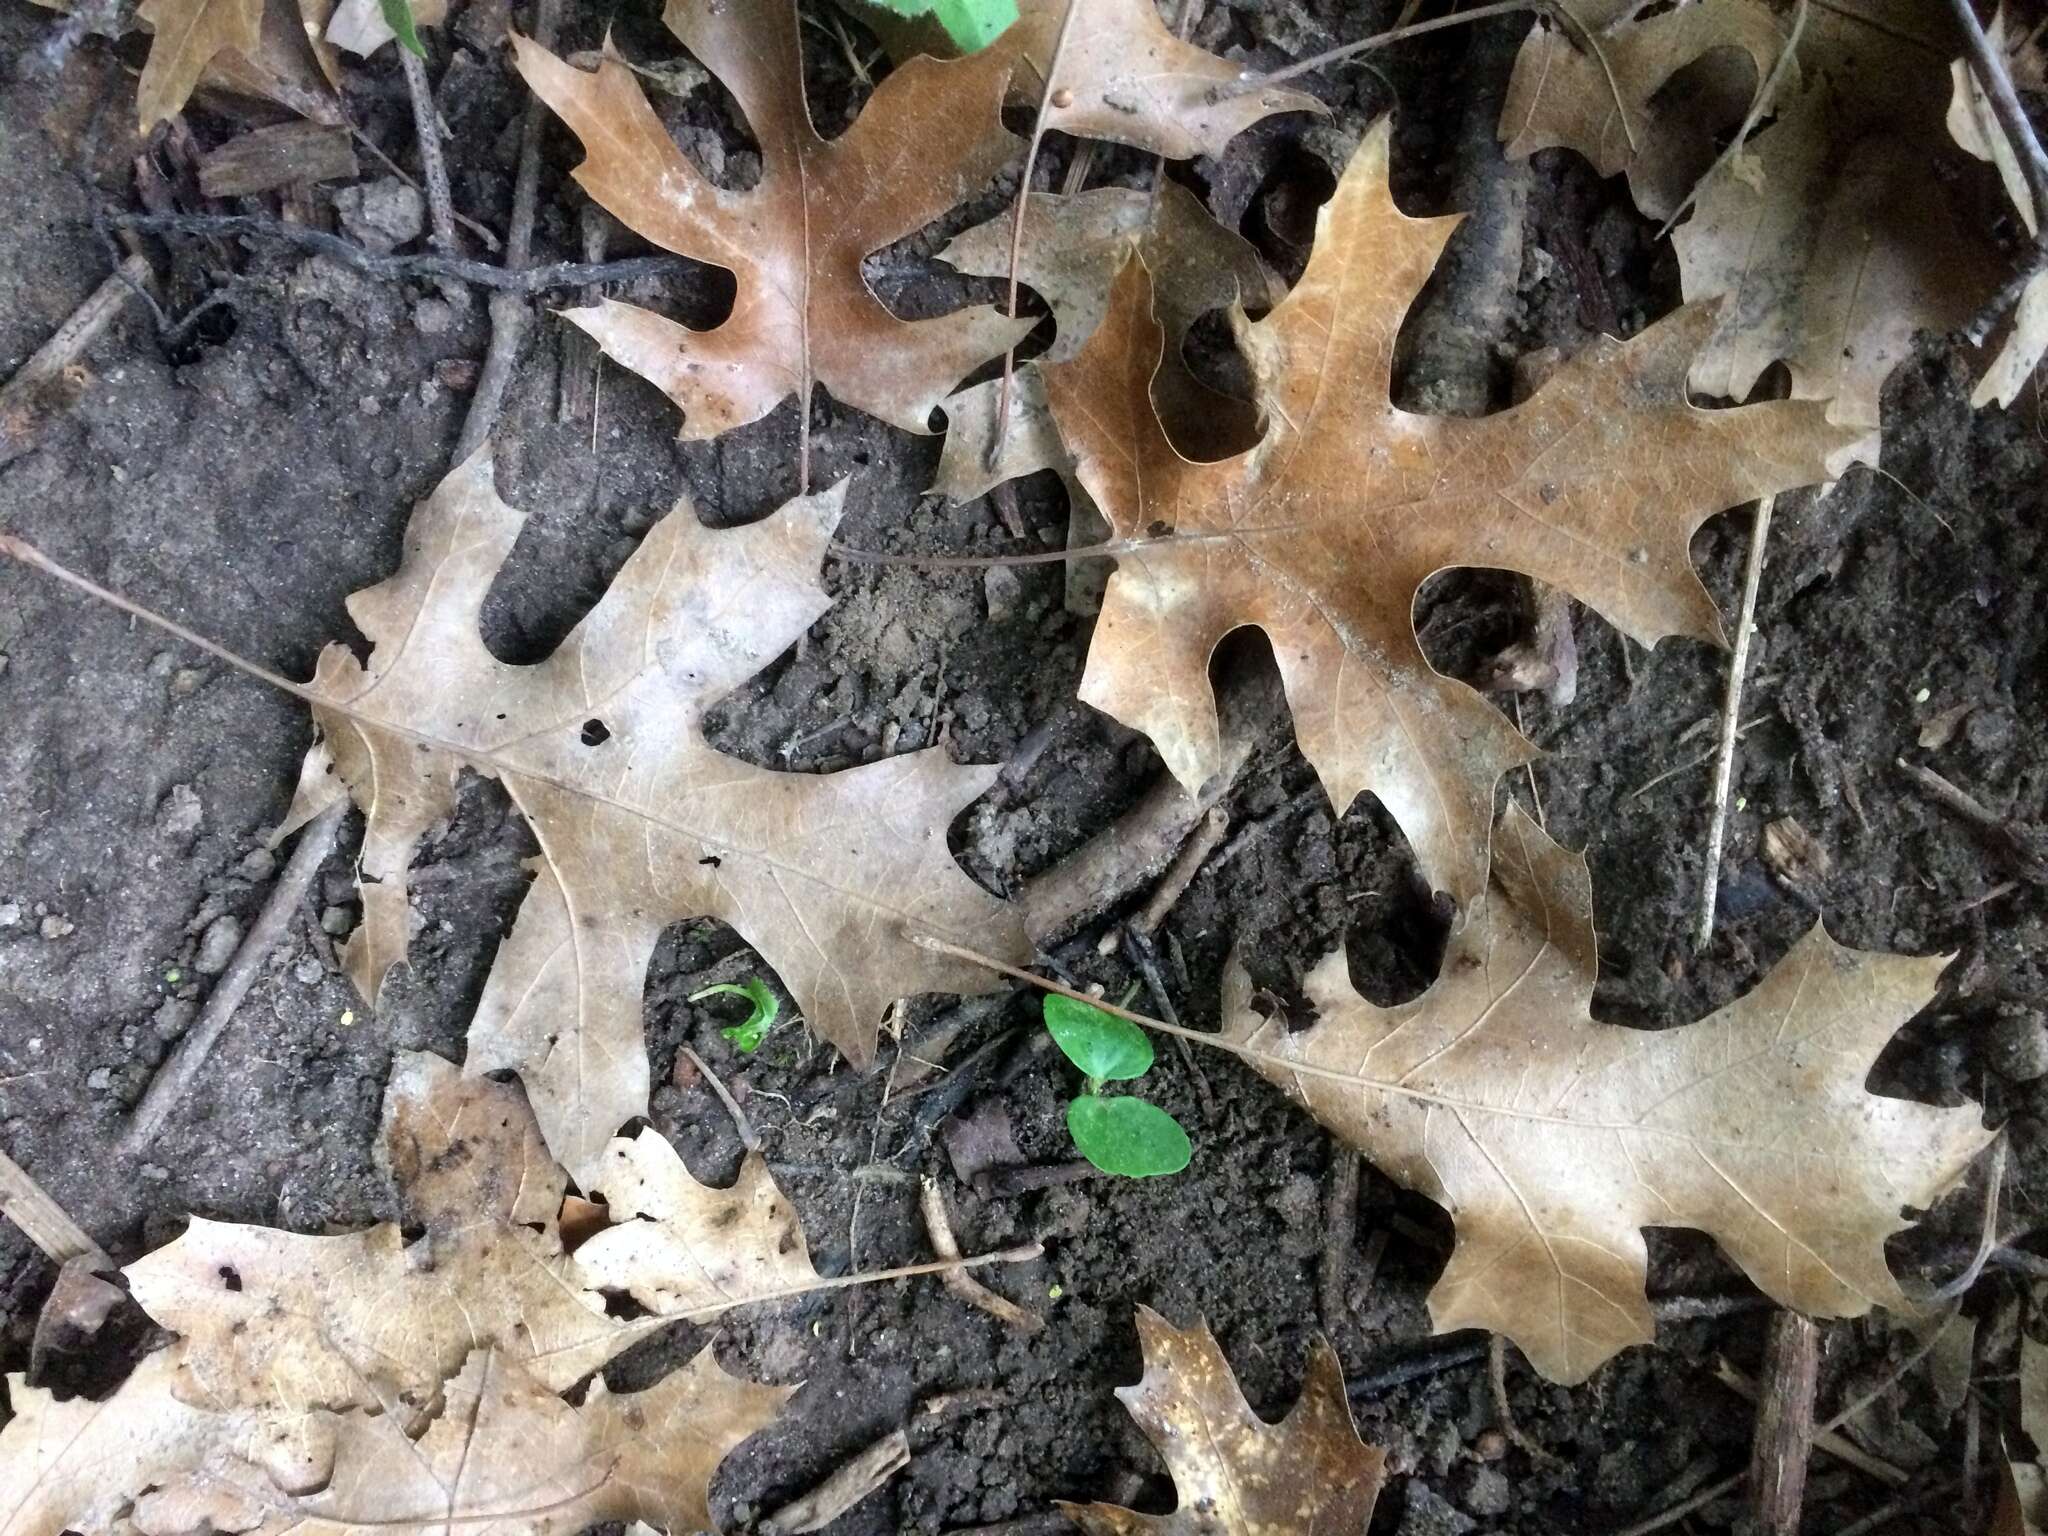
(1832, 1441)
(1504, 1416)
(1433, 1361)
(1045, 105)
(1905, 1504)
(1022, 1181)
(508, 310)
(1252, 82)
(843, 1489)
(749, 1137)
(1782, 1441)
(1180, 874)
(970, 1290)
(426, 122)
(1724, 761)
(182, 1068)
(1680, 1510)
(2023, 846)
(1995, 80)
(1689, 764)
(41, 386)
(479, 274)
(42, 1220)
(1340, 1227)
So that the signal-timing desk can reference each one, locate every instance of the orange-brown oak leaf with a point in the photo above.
(1554, 1140)
(1237, 1475)
(1321, 534)
(929, 137)
(640, 822)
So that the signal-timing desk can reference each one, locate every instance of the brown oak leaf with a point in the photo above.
(1554, 1140)
(1125, 77)
(641, 823)
(1237, 1475)
(929, 137)
(1322, 533)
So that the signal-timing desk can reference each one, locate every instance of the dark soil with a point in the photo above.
(246, 478)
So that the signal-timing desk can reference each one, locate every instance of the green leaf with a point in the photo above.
(750, 1031)
(1102, 1045)
(398, 17)
(971, 24)
(1127, 1136)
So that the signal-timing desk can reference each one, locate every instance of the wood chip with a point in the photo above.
(278, 156)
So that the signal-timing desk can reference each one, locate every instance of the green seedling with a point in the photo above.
(1117, 1133)
(971, 24)
(398, 17)
(750, 1031)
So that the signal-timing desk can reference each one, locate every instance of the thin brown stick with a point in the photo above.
(1252, 82)
(1782, 1442)
(509, 311)
(1831, 1441)
(42, 1220)
(854, 1481)
(1045, 104)
(1995, 80)
(749, 1137)
(38, 387)
(2023, 846)
(1504, 1416)
(1180, 874)
(477, 274)
(1680, 1510)
(182, 1067)
(939, 1227)
(1731, 709)
(426, 122)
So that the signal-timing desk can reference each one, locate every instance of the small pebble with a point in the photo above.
(335, 922)
(1003, 588)
(10, 913)
(185, 682)
(56, 927)
(382, 214)
(2017, 1043)
(172, 1018)
(309, 971)
(217, 946)
(431, 317)
(180, 813)
(100, 1079)
(156, 1173)
(1485, 1491)
(257, 864)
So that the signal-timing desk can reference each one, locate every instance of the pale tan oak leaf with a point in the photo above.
(1845, 225)
(930, 137)
(1322, 534)
(1126, 78)
(284, 1324)
(640, 822)
(503, 1455)
(190, 35)
(1074, 246)
(1554, 1140)
(1235, 1474)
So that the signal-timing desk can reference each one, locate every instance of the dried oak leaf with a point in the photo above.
(463, 1150)
(929, 137)
(1554, 1140)
(255, 48)
(2022, 1508)
(505, 1454)
(1322, 533)
(281, 1324)
(1974, 126)
(1074, 246)
(640, 822)
(1237, 1475)
(1838, 231)
(1608, 107)
(1125, 77)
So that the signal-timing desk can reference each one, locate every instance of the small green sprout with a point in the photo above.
(1118, 1134)
(750, 1031)
(398, 17)
(971, 24)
